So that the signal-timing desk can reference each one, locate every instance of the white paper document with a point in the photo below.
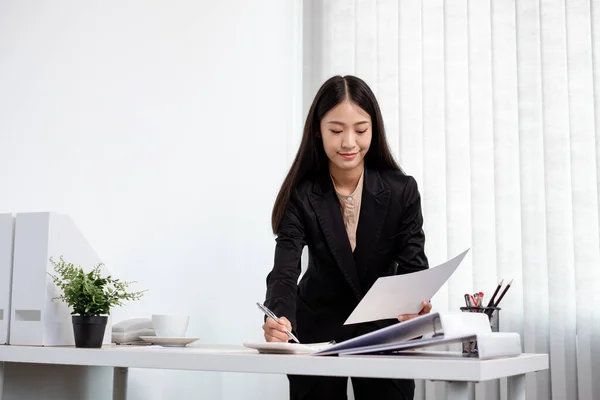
(287, 348)
(391, 296)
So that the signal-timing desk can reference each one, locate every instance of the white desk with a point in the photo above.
(456, 370)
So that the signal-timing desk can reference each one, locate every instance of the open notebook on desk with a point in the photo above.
(440, 327)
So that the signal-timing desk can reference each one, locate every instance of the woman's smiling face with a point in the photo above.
(346, 133)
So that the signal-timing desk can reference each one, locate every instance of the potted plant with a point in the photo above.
(91, 297)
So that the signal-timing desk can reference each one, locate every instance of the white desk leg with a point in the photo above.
(119, 383)
(517, 387)
(457, 391)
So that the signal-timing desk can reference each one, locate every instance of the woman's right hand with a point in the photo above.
(275, 332)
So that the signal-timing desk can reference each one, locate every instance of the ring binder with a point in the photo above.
(436, 333)
(446, 328)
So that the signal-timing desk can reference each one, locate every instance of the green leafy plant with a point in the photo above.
(89, 293)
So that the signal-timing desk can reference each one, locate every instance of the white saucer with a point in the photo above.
(169, 341)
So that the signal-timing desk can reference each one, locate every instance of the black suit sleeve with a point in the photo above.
(410, 250)
(282, 281)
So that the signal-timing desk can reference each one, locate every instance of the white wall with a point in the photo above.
(164, 130)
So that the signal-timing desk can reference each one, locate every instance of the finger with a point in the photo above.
(406, 317)
(274, 334)
(278, 334)
(286, 322)
(270, 338)
(426, 307)
(281, 326)
(272, 324)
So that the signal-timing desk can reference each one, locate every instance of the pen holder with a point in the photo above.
(493, 313)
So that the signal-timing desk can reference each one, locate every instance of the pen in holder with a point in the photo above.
(493, 313)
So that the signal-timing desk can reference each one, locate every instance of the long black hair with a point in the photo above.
(311, 157)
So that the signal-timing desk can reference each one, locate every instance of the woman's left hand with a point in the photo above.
(425, 310)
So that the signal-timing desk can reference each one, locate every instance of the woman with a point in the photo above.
(360, 216)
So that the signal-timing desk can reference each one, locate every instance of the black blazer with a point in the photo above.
(389, 240)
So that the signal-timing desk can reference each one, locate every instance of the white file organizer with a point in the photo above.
(36, 319)
(6, 248)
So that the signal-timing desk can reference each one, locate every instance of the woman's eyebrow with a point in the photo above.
(343, 124)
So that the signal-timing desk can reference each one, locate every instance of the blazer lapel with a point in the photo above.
(373, 211)
(327, 210)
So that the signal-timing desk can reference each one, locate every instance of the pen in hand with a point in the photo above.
(270, 314)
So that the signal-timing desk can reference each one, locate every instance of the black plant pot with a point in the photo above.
(89, 330)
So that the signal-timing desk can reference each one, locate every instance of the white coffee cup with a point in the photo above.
(170, 325)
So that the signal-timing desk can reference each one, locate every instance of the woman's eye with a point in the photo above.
(361, 131)
(335, 131)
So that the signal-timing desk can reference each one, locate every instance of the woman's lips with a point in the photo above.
(348, 156)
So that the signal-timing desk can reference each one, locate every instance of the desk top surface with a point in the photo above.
(410, 365)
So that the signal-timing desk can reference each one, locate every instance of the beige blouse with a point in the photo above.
(350, 207)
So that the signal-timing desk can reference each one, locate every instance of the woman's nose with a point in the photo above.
(348, 140)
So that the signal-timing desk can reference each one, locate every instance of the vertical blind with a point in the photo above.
(493, 106)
